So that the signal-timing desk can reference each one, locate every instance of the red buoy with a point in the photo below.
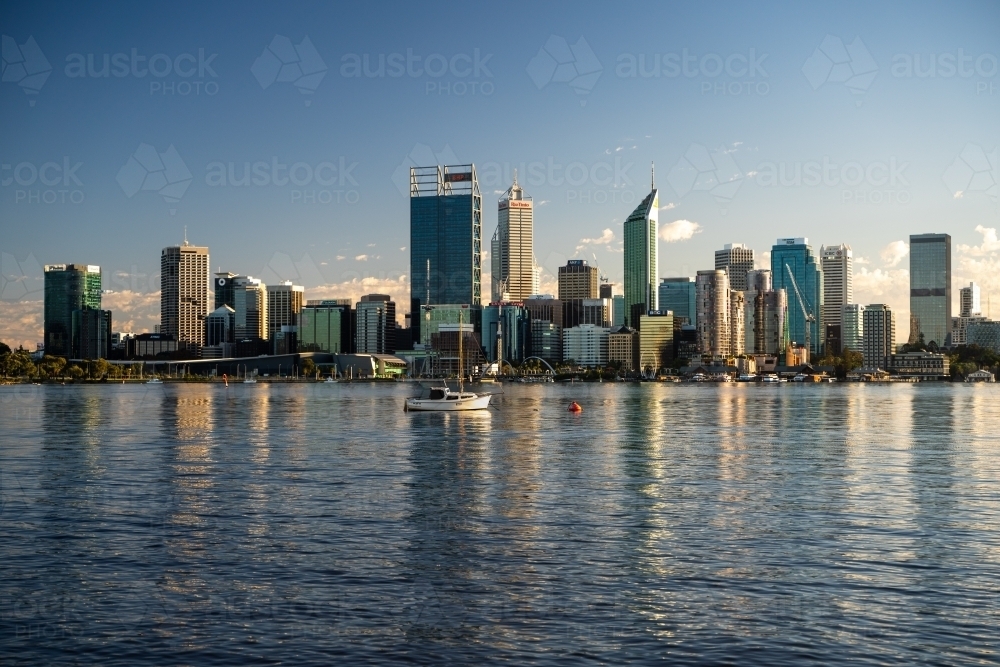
(575, 407)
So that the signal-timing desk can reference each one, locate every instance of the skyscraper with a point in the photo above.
(577, 280)
(714, 304)
(284, 303)
(930, 288)
(250, 297)
(376, 324)
(838, 281)
(68, 287)
(852, 327)
(446, 220)
(758, 284)
(970, 301)
(879, 339)
(737, 315)
(735, 259)
(678, 295)
(771, 332)
(641, 259)
(793, 265)
(513, 272)
(184, 301)
(224, 286)
(91, 334)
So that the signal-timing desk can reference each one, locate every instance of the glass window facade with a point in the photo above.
(641, 260)
(678, 295)
(68, 287)
(322, 329)
(930, 288)
(795, 257)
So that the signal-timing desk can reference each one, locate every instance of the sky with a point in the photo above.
(860, 123)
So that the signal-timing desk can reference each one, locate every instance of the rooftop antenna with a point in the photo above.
(186, 236)
(515, 178)
(652, 176)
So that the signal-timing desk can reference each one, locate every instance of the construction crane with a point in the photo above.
(810, 318)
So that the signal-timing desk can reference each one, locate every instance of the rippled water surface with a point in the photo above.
(191, 524)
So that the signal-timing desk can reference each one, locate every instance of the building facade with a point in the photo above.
(506, 332)
(91, 334)
(837, 263)
(545, 307)
(250, 306)
(656, 341)
(546, 340)
(852, 327)
(67, 288)
(970, 301)
(327, 325)
(376, 325)
(578, 280)
(984, 333)
(446, 222)
(879, 339)
(623, 347)
(587, 345)
(713, 303)
(930, 288)
(758, 283)
(678, 296)
(224, 289)
(184, 300)
(284, 303)
(641, 268)
(771, 332)
(512, 255)
(796, 269)
(736, 260)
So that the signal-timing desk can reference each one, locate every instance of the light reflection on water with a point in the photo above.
(313, 523)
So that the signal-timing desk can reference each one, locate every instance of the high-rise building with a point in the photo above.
(758, 284)
(714, 308)
(837, 263)
(225, 289)
(327, 325)
(852, 327)
(284, 303)
(545, 307)
(184, 300)
(618, 310)
(641, 270)
(678, 295)
(446, 220)
(586, 344)
(879, 339)
(432, 318)
(656, 341)
(91, 334)
(220, 326)
(511, 324)
(796, 269)
(513, 272)
(623, 347)
(607, 291)
(546, 340)
(930, 288)
(970, 301)
(68, 287)
(771, 327)
(735, 259)
(587, 311)
(577, 280)
(737, 313)
(376, 324)
(250, 304)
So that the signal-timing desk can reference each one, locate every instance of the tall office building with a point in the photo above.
(678, 295)
(838, 281)
(225, 289)
(577, 280)
(446, 222)
(641, 270)
(930, 288)
(513, 274)
(796, 269)
(184, 300)
(284, 303)
(376, 324)
(220, 326)
(250, 297)
(735, 259)
(510, 323)
(327, 325)
(607, 291)
(545, 307)
(758, 284)
(852, 327)
(656, 341)
(546, 340)
(771, 328)
(970, 301)
(618, 310)
(879, 339)
(714, 307)
(68, 287)
(91, 334)
(587, 345)
(737, 315)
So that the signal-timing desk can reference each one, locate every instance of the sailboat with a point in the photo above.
(443, 399)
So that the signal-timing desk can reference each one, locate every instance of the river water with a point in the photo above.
(321, 524)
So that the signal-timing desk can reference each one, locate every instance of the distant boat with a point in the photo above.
(769, 378)
(747, 377)
(329, 379)
(154, 381)
(443, 399)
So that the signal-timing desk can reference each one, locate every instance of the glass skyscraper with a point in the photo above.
(641, 260)
(930, 288)
(790, 258)
(68, 287)
(446, 222)
(678, 295)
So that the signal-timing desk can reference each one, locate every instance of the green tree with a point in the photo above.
(51, 367)
(100, 368)
(74, 371)
(308, 368)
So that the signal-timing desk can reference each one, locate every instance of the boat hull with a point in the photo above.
(439, 405)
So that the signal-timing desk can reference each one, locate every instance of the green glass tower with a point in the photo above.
(930, 288)
(68, 287)
(640, 260)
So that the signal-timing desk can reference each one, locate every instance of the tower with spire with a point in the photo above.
(640, 257)
(512, 264)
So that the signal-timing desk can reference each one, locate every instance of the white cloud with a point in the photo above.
(989, 245)
(361, 258)
(894, 253)
(340, 257)
(679, 230)
(356, 287)
(668, 206)
(132, 311)
(606, 237)
(21, 323)
(889, 286)
(403, 249)
(762, 260)
(862, 260)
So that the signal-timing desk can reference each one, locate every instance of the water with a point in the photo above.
(191, 524)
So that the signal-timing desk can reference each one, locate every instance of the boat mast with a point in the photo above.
(460, 369)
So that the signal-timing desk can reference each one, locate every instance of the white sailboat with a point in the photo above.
(443, 399)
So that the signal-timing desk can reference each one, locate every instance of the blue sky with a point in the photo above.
(903, 153)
